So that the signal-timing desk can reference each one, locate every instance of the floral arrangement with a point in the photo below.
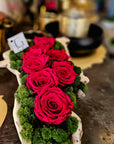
(47, 94)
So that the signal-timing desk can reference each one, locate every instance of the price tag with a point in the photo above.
(18, 42)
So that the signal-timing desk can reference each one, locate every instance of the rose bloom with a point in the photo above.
(33, 51)
(64, 71)
(52, 106)
(44, 43)
(41, 80)
(58, 55)
(32, 63)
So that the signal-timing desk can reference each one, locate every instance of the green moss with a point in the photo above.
(71, 124)
(22, 93)
(26, 115)
(23, 120)
(72, 97)
(46, 133)
(69, 88)
(16, 64)
(40, 141)
(75, 86)
(83, 87)
(12, 56)
(20, 111)
(27, 132)
(59, 135)
(16, 60)
(58, 46)
(49, 143)
(30, 92)
(27, 102)
(36, 136)
(31, 42)
(23, 79)
(13, 64)
(15, 56)
(77, 69)
(22, 73)
(24, 112)
(19, 64)
(76, 81)
(112, 41)
(19, 55)
(40, 134)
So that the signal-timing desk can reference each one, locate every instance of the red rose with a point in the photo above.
(58, 55)
(44, 43)
(53, 106)
(64, 71)
(32, 63)
(33, 51)
(41, 80)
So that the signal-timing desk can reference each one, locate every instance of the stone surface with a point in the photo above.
(96, 110)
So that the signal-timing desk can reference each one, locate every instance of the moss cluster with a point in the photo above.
(59, 134)
(22, 93)
(16, 60)
(112, 41)
(30, 42)
(72, 89)
(36, 131)
(58, 46)
(27, 131)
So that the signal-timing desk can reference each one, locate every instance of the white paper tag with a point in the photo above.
(18, 42)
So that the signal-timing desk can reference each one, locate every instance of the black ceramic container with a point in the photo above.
(86, 45)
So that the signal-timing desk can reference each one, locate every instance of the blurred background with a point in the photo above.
(32, 11)
(83, 21)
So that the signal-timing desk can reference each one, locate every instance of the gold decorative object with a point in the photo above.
(85, 5)
(64, 5)
(8, 23)
(74, 24)
(86, 62)
(88, 7)
(76, 19)
(3, 110)
(46, 18)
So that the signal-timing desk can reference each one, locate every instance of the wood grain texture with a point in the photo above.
(8, 85)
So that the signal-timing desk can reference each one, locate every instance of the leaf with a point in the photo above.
(3, 110)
